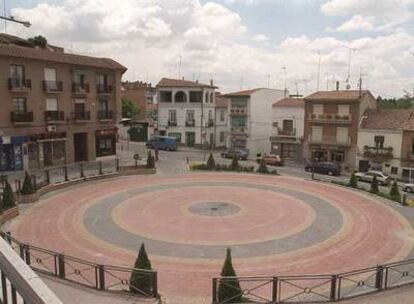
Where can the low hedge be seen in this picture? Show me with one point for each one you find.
(227, 168)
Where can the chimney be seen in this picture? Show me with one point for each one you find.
(337, 85)
(211, 83)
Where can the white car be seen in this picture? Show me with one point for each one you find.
(382, 179)
(408, 187)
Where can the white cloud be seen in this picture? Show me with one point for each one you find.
(261, 38)
(357, 22)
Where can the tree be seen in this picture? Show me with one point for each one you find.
(229, 290)
(211, 163)
(38, 41)
(129, 109)
(8, 197)
(353, 182)
(150, 161)
(404, 102)
(395, 191)
(141, 282)
(234, 164)
(374, 185)
(263, 167)
(27, 185)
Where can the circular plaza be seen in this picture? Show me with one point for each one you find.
(275, 225)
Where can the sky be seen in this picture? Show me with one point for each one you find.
(240, 44)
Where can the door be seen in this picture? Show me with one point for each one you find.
(363, 166)
(50, 79)
(190, 139)
(80, 142)
(48, 154)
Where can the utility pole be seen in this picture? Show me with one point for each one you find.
(285, 75)
(319, 70)
(179, 67)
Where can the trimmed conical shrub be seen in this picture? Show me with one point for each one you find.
(141, 282)
(395, 192)
(27, 185)
(211, 163)
(8, 197)
(234, 164)
(374, 185)
(263, 167)
(353, 182)
(150, 161)
(229, 289)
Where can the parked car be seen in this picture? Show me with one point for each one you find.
(273, 160)
(408, 187)
(324, 168)
(163, 143)
(240, 154)
(382, 178)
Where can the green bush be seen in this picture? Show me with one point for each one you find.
(211, 163)
(353, 182)
(8, 200)
(229, 290)
(150, 161)
(395, 192)
(234, 164)
(374, 185)
(27, 188)
(140, 282)
(263, 167)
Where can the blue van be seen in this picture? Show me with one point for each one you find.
(163, 143)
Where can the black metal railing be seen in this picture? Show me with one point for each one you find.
(172, 123)
(52, 86)
(315, 288)
(286, 132)
(81, 115)
(86, 273)
(80, 88)
(17, 117)
(190, 123)
(103, 115)
(380, 152)
(54, 115)
(19, 84)
(103, 89)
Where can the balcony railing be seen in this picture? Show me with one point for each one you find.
(52, 86)
(330, 140)
(21, 117)
(54, 115)
(333, 118)
(378, 152)
(210, 123)
(19, 84)
(103, 89)
(286, 132)
(105, 115)
(239, 130)
(81, 115)
(190, 123)
(80, 88)
(172, 123)
(242, 111)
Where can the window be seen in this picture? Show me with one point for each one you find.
(103, 105)
(343, 110)
(288, 125)
(19, 104)
(50, 74)
(79, 77)
(51, 104)
(207, 97)
(103, 79)
(222, 136)
(275, 124)
(342, 135)
(394, 170)
(190, 115)
(180, 97)
(211, 97)
(317, 109)
(79, 105)
(165, 96)
(317, 133)
(172, 115)
(196, 97)
(222, 115)
(17, 72)
(379, 141)
(210, 115)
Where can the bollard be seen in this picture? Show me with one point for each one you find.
(100, 168)
(117, 164)
(47, 176)
(82, 173)
(65, 169)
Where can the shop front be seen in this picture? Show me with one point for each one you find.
(328, 153)
(47, 150)
(11, 153)
(105, 142)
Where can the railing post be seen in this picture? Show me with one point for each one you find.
(13, 295)
(82, 173)
(274, 290)
(379, 277)
(333, 287)
(117, 164)
(47, 172)
(4, 288)
(154, 284)
(101, 275)
(61, 266)
(8, 237)
(65, 172)
(34, 181)
(214, 291)
(27, 254)
(100, 168)
(21, 251)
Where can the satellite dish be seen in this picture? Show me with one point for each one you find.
(348, 86)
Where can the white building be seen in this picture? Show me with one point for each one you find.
(288, 128)
(251, 119)
(186, 111)
(221, 121)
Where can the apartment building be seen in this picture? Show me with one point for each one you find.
(251, 119)
(143, 96)
(385, 142)
(221, 121)
(186, 111)
(288, 127)
(332, 119)
(57, 108)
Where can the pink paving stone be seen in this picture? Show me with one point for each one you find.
(373, 233)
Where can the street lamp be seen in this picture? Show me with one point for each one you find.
(11, 19)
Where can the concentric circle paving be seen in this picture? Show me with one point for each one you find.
(274, 225)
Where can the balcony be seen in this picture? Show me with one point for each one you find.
(52, 86)
(105, 115)
(190, 123)
(238, 111)
(330, 141)
(330, 118)
(172, 123)
(378, 153)
(21, 117)
(286, 132)
(20, 85)
(210, 123)
(103, 89)
(81, 115)
(80, 88)
(239, 130)
(54, 116)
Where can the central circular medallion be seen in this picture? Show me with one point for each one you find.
(214, 209)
